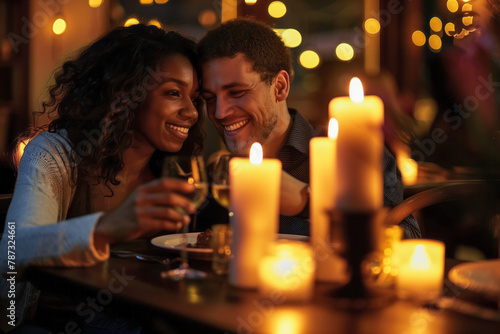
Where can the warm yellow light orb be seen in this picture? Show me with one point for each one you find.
(309, 59)
(372, 26)
(250, 2)
(207, 18)
(131, 21)
(452, 5)
(418, 38)
(467, 7)
(449, 28)
(277, 9)
(146, 2)
(161, 2)
(155, 23)
(435, 43)
(467, 20)
(59, 26)
(436, 24)
(344, 51)
(95, 3)
(291, 37)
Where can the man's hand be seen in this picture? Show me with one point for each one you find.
(294, 195)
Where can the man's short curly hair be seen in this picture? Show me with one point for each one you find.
(257, 41)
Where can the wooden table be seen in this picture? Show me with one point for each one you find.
(213, 306)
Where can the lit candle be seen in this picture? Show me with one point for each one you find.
(420, 269)
(254, 196)
(287, 272)
(360, 149)
(323, 183)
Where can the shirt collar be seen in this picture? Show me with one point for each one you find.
(300, 133)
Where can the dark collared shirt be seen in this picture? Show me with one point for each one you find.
(294, 156)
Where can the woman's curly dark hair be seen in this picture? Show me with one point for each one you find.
(97, 96)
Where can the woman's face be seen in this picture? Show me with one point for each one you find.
(169, 110)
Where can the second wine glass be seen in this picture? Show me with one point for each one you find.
(191, 169)
(220, 182)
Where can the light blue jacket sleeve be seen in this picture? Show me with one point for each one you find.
(38, 210)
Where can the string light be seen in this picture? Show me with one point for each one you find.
(131, 21)
(291, 37)
(435, 43)
(309, 59)
(59, 26)
(344, 51)
(372, 26)
(436, 24)
(277, 9)
(418, 38)
(95, 3)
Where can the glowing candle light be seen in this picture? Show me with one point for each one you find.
(323, 183)
(360, 149)
(288, 270)
(254, 197)
(420, 269)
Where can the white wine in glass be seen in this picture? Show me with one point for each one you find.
(220, 182)
(221, 194)
(191, 169)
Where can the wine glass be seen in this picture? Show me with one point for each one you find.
(191, 169)
(220, 182)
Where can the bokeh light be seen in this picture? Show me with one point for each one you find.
(467, 20)
(291, 37)
(418, 38)
(207, 18)
(277, 9)
(131, 21)
(155, 23)
(435, 42)
(449, 28)
(59, 26)
(146, 2)
(309, 59)
(95, 3)
(344, 51)
(452, 5)
(372, 26)
(436, 24)
(161, 2)
(250, 2)
(467, 7)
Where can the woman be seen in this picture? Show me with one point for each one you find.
(89, 181)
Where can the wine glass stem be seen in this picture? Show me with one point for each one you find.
(184, 254)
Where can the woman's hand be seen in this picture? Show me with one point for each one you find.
(152, 207)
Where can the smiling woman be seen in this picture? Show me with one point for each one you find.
(87, 180)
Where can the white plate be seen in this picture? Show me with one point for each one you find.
(174, 242)
(482, 277)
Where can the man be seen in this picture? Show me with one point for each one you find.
(246, 76)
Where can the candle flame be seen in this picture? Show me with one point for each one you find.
(256, 154)
(356, 92)
(420, 260)
(333, 128)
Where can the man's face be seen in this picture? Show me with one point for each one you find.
(243, 108)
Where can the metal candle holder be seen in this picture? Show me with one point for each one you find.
(354, 236)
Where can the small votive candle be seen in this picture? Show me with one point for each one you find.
(420, 269)
(287, 271)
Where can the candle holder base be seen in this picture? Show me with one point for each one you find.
(354, 236)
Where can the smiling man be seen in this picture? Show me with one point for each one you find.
(246, 76)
